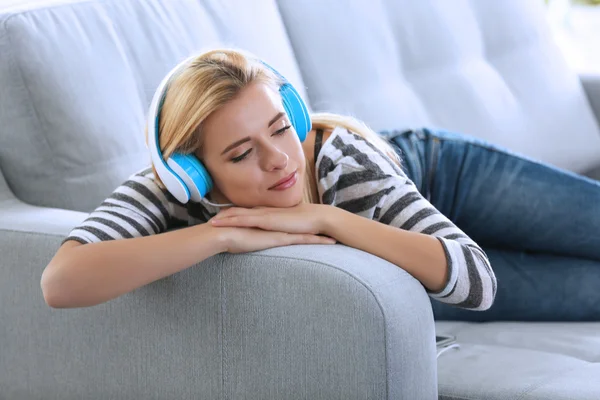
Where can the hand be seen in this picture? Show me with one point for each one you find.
(303, 218)
(243, 240)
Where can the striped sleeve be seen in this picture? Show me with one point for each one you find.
(358, 177)
(138, 207)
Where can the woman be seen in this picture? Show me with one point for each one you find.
(261, 177)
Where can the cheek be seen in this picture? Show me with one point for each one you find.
(294, 148)
(235, 178)
(299, 157)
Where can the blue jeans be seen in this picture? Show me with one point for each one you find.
(538, 224)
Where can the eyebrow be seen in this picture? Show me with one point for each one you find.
(275, 118)
(247, 138)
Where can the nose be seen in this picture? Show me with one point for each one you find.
(273, 158)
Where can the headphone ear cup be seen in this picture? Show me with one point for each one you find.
(193, 173)
(296, 110)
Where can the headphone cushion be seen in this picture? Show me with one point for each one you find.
(196, 174)
(296, 110)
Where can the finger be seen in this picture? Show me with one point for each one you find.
(311, 239)
(226, 213)
(225, 221)
(219, 215)
(323, 241)
(246, 221)
(237, 211)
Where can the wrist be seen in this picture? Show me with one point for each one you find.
(329, 220)
(217, 237)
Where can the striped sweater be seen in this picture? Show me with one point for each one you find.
(352, 174)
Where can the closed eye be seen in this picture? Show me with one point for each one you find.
(241, 157)
(278, 132)
(282, 130)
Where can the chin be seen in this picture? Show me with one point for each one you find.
(288, 198)
(290, 201)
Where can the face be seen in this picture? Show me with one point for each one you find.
(249, 146)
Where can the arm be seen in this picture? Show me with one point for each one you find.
(129, 241)
(420, 255)
(86, 275)
(401, 226)
(92, 268)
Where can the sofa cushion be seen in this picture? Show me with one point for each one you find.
(486, 68)
(77, 79)
(518, 360)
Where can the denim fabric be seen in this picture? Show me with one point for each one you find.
(537, 223)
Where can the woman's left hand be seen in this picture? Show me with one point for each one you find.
(303, 218)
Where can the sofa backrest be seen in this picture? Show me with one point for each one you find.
(76, 78)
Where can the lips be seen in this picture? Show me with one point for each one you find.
(287, 178)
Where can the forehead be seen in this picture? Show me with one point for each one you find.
(247, 114)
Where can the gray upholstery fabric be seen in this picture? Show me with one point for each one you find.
(591, 85)
(17, 216)
(528, 361)
(6, 193)
(313, 322)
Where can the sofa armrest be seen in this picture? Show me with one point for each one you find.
(591, 85)
(18, 216)
(304, 321)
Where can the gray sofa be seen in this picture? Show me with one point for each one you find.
(300, 322)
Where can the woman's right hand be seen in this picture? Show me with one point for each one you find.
(243, 240)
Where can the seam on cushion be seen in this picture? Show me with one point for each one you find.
(527, 391)
(457, 397)
(35, 7)
(32, 233)
(385, 336)
(223, 369)
(539, 384)
(126, 53)
(508, 346)
(294, 53)
(487, 57)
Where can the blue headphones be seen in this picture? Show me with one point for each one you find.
(183, 174)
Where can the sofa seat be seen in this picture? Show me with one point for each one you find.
(519, 360)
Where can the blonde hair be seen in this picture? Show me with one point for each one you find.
(214, 78)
